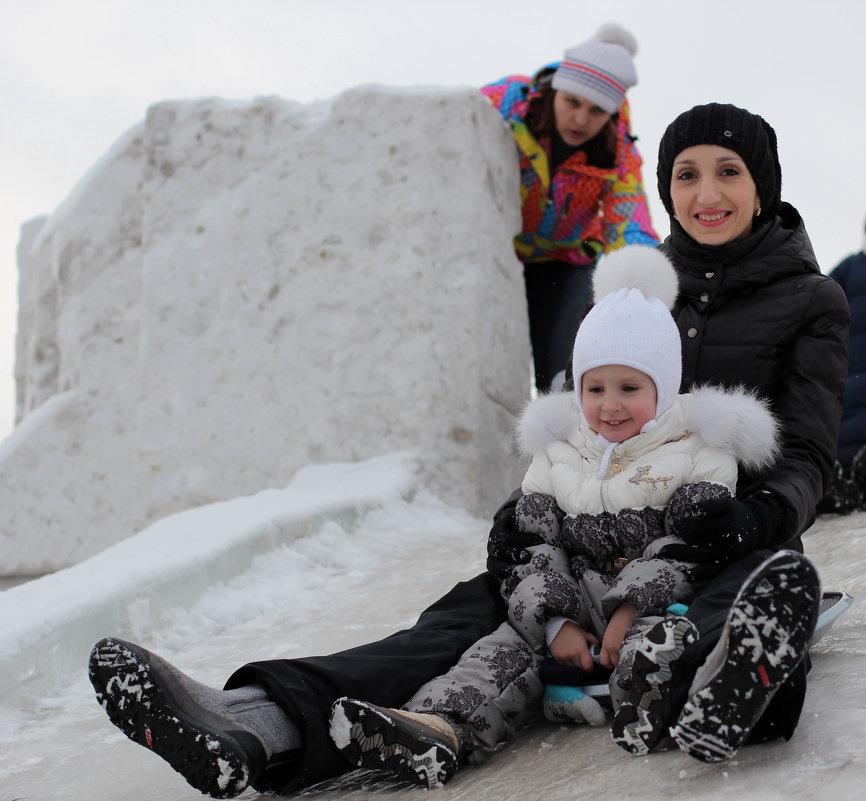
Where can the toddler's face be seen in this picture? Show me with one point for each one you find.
(617, 400)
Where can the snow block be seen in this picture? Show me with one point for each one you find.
(241, 288)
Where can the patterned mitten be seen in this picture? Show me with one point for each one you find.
(568, 703)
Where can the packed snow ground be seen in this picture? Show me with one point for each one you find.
(362, 568)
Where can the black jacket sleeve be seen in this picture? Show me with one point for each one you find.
(809, 409)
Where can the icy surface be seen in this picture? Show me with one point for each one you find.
(240, 288)
(375, 572)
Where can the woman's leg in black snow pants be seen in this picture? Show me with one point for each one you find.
(387, 672)
(708, 611)
(557, 295)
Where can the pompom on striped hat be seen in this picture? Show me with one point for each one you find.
(600, 69)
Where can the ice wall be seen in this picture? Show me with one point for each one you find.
(238, 289)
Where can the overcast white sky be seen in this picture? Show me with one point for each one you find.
(75, 74)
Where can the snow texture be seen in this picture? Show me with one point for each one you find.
(373, 570)
(340, 728)
(241, 288)
(172, 563)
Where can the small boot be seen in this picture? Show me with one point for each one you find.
(642, 720)
(417, 747)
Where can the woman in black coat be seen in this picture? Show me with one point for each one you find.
(754, 310)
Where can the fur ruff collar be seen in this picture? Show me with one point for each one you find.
(733, 420)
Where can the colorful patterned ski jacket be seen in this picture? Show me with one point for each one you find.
(579, 211)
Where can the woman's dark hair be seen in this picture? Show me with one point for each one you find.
(541, 119)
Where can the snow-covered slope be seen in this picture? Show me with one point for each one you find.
(139, 584)
(373, 571)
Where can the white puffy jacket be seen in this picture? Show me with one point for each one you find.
(579, 494)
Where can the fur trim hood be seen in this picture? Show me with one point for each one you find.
(733, 420)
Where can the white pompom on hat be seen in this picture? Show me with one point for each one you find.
(635, 288)
(600, 69)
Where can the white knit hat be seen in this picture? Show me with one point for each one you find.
(600, 69)
(630, 324)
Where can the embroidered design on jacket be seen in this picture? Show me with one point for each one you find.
(643, 478)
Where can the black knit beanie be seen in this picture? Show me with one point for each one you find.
(747, 134)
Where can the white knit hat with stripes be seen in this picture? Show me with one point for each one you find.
(600, 69)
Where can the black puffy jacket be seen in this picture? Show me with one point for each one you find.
(758, 313)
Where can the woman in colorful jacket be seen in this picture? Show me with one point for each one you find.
(581, 188)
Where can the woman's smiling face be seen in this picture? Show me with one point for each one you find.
(714, 197)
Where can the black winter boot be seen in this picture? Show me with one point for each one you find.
(765, 638)
(156, 706)
(843, 496)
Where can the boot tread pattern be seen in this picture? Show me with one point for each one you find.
(138, 706)
(765, 638)
(370, 737)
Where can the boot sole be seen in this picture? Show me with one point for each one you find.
(370, 737)
(765, 637)
(642, 720)
(138, 704)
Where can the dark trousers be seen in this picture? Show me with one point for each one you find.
(557, 294)
(387, 672)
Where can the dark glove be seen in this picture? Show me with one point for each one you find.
(724, 530)
(506, 545)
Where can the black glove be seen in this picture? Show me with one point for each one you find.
(506, 545)
(724, 530)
